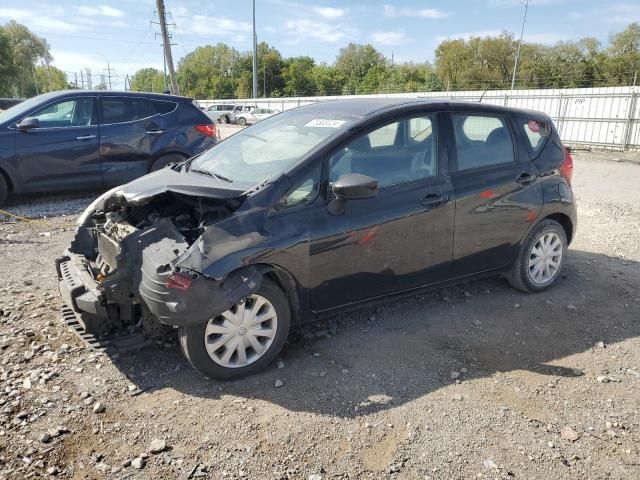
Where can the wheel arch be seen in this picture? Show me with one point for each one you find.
(564, 220)
(290, 286)
(8, 180)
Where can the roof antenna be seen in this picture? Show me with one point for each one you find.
(482, 96)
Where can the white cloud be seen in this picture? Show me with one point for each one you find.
(214, 26)
(621, 13)
(329, 12)
(304, 28)
(100, 10)
(38, 21)
(391, 11)
(389, 38)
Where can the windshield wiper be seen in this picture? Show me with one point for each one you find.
(211, 174)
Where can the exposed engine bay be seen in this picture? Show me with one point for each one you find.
(130, 251)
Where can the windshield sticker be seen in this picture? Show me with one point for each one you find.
(325, 123)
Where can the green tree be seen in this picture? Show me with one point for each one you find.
(7, 68)
(354, 62)
(49, 79)
(209, 72)
(270, 64)
(624, 55)
(452, 59)
(297, 76)
(327, 80)
(27, 51)
(148, 80)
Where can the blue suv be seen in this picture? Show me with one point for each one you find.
(95, 139)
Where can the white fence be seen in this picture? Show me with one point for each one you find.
(607, 117)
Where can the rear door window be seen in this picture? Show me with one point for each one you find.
(481, 140)
(122, 109)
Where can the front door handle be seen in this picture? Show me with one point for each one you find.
(434, 199)
(526, 178)
(155, 132)
(86, 137)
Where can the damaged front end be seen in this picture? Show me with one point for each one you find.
(122, 281)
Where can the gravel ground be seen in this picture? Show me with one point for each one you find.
(473, 381)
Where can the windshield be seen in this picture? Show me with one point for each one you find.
(17, 111)
(268, 148)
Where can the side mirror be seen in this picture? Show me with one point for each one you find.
(353, 186)
(28, 123)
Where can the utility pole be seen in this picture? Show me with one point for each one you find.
(109, 70)
(49, 75)
(515, 66)
(167, 47)
(75, 76)
(82, 78)
(255, 58)
(89, 83)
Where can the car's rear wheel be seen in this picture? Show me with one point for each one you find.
(165, 160)
(540, 259)
(4, 189)
(242, 340)
(242, 121)
(224, 119)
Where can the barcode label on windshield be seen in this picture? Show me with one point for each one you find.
(324, 123)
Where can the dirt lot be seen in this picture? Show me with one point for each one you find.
(474, 381)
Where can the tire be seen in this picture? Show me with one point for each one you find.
(224, 119)
(242, 121)
(4, 189)
(549, 240)
(165, 160)
(196, 341)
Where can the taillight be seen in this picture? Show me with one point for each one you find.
(209, 129)
(177, 281)
(566, 169)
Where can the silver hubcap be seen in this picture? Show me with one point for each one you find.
(242, 334)
(545, 258)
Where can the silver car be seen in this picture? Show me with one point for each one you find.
(254, 116)
(227, 112)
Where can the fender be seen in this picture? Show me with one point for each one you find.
(558, 200)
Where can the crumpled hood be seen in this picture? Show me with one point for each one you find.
(143, 189)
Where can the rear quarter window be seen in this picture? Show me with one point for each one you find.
(536, 133)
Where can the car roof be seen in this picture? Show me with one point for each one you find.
(363, 107)
(107, 93)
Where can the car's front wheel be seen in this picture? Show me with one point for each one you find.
(540, 259)
(242, 121)
(242, 340)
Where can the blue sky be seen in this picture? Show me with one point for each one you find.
(85, 34)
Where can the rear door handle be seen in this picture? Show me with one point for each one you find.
(86, 137)
(155, 132)
(526, 178)
(434, 199)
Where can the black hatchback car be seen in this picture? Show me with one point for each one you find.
(92, 139)
(314, 211)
